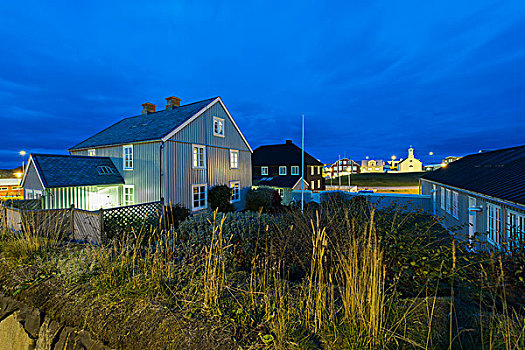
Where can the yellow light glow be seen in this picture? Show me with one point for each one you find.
(431, 153)
(443, 165)
(19, 175)
(394, 157)
(22, 153)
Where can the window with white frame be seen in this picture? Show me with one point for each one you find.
(281, 192)
(128, 157)
(234, 159)
(198, 196)
(448, 203)
(129, 195)
(282, 170)
(455, 203)
(515, 226)
(92, 152)
(199, 156)
(218, 126)
(264, 170)
(318, 170)
(312, 170)
(319, 183)
(295, 170)
(442, 190)
(494, 223)
(236, 193)
(312, 184)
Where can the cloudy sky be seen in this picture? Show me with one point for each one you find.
(372, 77)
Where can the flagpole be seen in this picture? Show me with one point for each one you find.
(302, 167)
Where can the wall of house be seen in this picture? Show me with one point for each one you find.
(32, 180)
(180, 174)
(460, 224)
(145, 176)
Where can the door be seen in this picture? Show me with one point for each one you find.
(471, 217)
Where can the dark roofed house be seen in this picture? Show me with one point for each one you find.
(279, 167)
(173, 155)
(485, 192)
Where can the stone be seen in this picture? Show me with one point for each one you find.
(31, 320)
(48, 334)
(13, 335)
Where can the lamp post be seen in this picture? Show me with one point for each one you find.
(432, 154)
(23, 155)
(393, 159)
(302, 167)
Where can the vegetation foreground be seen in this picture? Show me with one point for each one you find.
(341, 276)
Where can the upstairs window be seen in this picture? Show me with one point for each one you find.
(199, 153)
(218, 127)
(312, 170)
(128, 157)
(318, 170)
(92, 152)
(295, 170)
(282, 170)
(234, 159)
(199, 197)
(236, 193)
(264, 170)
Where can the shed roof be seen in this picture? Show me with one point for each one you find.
(282, 154)
(497, 174)
(144, 127)
(68, 171)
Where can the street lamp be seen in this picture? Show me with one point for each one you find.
(23, 155)
(432, 154)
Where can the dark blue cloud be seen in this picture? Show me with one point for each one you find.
(371, 77)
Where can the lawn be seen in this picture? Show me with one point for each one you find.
(379, 180)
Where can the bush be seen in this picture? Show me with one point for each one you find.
(262, 197)
(219, 198)
(175, 214)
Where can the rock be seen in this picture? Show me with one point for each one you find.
(31, 320)
(48, 335)
(13, 335)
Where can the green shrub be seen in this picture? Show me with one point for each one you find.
(175, 214)
(219, 198)
(262, 197)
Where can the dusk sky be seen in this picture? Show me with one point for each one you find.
(372, 77)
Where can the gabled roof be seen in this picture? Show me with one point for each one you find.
(282, 154)
(144, 127)
(67, 171)
(498, 174)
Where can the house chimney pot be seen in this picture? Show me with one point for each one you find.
(148, 108)
(288, 142)
(172, 102)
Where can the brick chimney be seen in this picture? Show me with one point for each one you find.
(148, 108)
(289, 142)
(172, 102)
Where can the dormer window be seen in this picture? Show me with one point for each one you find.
(264, 170)
(282, 170)
(295, 170)
(218, 127)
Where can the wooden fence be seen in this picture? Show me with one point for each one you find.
(82, 225)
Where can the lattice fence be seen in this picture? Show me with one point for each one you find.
(131, 219)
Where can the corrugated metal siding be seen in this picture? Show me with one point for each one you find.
(32, 181)
(180, 175)
(201, 130)
(145, 175)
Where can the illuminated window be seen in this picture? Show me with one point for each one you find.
(264, 170)
(295, 170)
(236, 193)
(312, 184)
(282, 170)
(129, 198)
(234, 159)
(312, 170)
(218, 127)
(319, 183)
(128, 157)
(92, 152)
(199, 196)
(199, 153)
(455, 209)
